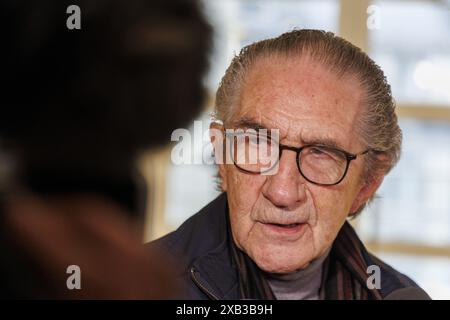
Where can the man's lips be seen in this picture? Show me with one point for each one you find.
(284, 228)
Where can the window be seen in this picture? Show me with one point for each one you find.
(414, 200)
(412, 45)
(409, 224)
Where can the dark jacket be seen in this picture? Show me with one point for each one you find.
(205, 267)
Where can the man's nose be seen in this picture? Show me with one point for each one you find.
(285, 188)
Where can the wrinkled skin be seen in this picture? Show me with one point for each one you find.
(307, 103)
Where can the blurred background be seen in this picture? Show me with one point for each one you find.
(408, 224)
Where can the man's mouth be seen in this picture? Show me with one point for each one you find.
(290, 225)
(284, 228)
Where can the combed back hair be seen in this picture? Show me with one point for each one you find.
(377, 123)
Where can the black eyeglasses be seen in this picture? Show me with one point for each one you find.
(318, 164)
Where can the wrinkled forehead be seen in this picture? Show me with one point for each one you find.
(303, 99)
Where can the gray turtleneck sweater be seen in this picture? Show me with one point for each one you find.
(303, 284)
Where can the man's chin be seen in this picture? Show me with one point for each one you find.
(273, 263)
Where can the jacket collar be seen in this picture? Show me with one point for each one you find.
(214, 271)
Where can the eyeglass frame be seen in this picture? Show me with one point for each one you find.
(348, 156)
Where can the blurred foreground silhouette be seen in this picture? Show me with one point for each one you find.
(77, 108)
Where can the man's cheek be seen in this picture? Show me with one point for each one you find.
(245, 188)
(331, 204)
(330, 220)
(243, 231)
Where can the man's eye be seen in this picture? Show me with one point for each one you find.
(321, 153)
(324, 154)
(317, 151)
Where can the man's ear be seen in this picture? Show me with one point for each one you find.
(369, 186)
(366, 192)
(216, 134)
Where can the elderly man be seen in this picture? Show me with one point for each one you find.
(279, 231)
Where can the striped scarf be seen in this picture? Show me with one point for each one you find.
(344, 276)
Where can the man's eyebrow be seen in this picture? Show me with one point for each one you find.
(249, 124)
(329, 142)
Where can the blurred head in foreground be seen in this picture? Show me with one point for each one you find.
(78, 106)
